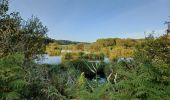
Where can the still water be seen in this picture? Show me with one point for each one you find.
(46, 59)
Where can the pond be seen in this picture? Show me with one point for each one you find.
(46, 59)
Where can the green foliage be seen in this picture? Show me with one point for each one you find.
(148, 76)
(145, 77)
(10, 32)
(11, 77)
(17, 35)
(3, 7)
(142, 82)
(102, 92)
(64, 77)
(52, 93)
(33, 36)
(141, 78)
(156, 49)
(81, 81)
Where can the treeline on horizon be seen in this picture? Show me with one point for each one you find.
(62, 42)
(105, 41)
(145, 77)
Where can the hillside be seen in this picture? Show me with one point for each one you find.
(62, 42)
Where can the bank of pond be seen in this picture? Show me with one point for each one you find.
(94, 69)
(91, 68)
(46, 59)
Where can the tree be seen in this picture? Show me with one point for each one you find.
(9, 25)
(10, 34)
(3, 7)
(17, 35)
(33, 38)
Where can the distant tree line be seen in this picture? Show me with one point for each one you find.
(62, 42)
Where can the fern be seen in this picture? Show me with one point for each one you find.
(146, 84)
(11, 77)
(17, 84)
(12, 96)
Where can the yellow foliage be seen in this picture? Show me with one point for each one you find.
(119, 52)
(53, 49)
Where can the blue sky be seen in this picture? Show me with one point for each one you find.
(88, 20)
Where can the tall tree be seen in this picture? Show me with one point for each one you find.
(10, 26)
(33, 38)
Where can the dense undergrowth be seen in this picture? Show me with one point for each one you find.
(145, 77)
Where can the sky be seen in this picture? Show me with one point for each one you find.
(88, 20)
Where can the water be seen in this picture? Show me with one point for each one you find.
(106, 60)
(101, 80)
(46, 59)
